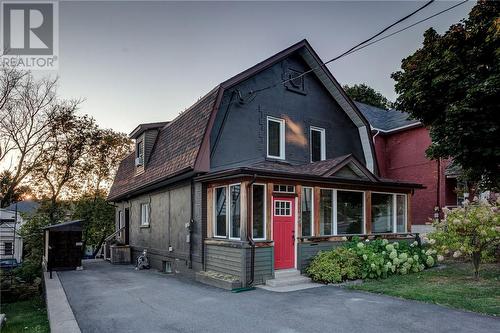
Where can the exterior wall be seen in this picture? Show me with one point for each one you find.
(401, 156)
(238, 123)
(170, 211)
(7, 235)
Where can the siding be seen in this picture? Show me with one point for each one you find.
(306, 251)
(224, 259)
(264, 264)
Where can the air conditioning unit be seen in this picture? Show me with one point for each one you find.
(138, 161)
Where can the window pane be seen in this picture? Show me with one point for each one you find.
(144, 213)
(325, 212)
(220, 211)
(8, 248)
(258, 211)
(382, 212)
(401, 213)
(306, 207)
(273, 138)
(315, 146)
(349, 212)
(235, 211)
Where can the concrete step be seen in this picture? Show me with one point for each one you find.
(288, 281)
(283, 273)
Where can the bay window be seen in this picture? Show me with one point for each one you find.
(220, 212)
(259, 211)
(326, 212)
(350, 212)
(227, 216)
(388, 213)
(307, 211)
(234, 211)
(401, 213)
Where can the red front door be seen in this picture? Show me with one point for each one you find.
(284, 232)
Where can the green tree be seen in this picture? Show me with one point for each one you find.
(452, 85)
(366, 94)
(16, 194)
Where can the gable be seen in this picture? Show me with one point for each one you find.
(348, 172)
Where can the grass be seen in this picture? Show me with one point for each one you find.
(26, 316)
(452, 285)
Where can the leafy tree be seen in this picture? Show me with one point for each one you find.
(99, 218)
(366, 94)
(452, 85)
(19, 192)
(469, 231)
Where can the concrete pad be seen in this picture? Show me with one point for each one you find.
(61, 317)
(295, 287)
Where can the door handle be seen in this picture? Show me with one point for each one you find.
(293, 236)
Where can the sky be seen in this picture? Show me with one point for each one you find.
(136, 62)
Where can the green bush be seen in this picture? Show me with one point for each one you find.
(28, 271)
(370, 260)
(335, 266)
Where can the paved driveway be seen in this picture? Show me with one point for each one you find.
(107, 298)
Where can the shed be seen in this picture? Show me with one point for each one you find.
(63, 246)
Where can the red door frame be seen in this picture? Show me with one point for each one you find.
(284, 234)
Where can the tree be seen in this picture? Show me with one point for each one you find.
(27, 106)
(452, 85)
(366, 94)
(468, 231)
(8, 197)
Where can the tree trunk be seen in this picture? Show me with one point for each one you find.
(476, 260)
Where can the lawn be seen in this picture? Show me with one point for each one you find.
(450, 285)
(26, 316)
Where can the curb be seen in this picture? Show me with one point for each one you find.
(61, 317)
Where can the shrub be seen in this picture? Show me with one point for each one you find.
(470, 231)
(374, 259)
(335, 266)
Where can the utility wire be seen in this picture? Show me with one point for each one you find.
(370, 41)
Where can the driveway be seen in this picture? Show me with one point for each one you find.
(108, 298)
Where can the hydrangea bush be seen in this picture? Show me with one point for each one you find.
(375, 259)
(468, 232)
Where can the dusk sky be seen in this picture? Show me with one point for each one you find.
(137, 62)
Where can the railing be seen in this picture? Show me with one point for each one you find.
(105, 251)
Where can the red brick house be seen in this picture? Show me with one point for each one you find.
(400, 145)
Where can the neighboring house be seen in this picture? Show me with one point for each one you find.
(257, 176)
(11, 243)
(400, 145)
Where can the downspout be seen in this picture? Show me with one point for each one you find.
(249, 231)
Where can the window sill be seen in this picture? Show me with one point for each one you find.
(144, 226)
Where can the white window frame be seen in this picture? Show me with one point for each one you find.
(283, 201)
(120, 219)
(286, 188)
(312, 211)
(363, 228)
(229, 227)
(394, 212)
(323, 142)
(281, 156)
(265, 212)
(146, 221)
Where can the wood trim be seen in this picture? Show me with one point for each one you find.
(368, 212)
(316, 206)
(243, 210)
(409, 220)
(269, 205)
(210, 212)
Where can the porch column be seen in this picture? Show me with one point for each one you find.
(243, 210)
(368, 212)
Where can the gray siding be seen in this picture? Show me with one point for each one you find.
(246, 122)
(224, 259)
(306, 251)
(264, 264)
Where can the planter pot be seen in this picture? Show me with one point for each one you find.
(120, 254)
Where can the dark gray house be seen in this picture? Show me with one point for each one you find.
(258, 175)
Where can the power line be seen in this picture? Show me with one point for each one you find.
(360, 46)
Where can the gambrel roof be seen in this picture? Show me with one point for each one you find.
(183, 145)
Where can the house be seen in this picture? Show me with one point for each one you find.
(400, 145)
(11, 220)
(258, 176)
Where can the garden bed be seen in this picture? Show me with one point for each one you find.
(452, 285)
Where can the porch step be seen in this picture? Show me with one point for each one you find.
(287, 278)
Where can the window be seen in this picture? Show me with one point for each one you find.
(259, 211)
(282, 208)
(7, 250)
(382, 212)
(227, 205)
(326, 212)
(234, 211)
(275, 138)
(139, 151)
(284, 188)
(350, 215)
(120, 222)
(145, 214)
(317, 144)
(307, 211)
(220, 212)
(400, 213)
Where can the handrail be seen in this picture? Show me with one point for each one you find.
(107, 239)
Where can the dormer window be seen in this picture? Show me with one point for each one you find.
(139, 153)
(317, 144)
(275, 138)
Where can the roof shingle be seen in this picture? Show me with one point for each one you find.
(385, 120)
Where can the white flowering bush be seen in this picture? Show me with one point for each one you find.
(376, 259)
(468, 232)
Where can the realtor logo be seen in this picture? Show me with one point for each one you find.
(29, 33)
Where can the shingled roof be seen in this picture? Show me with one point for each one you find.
(175, 150)
(386, 120)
